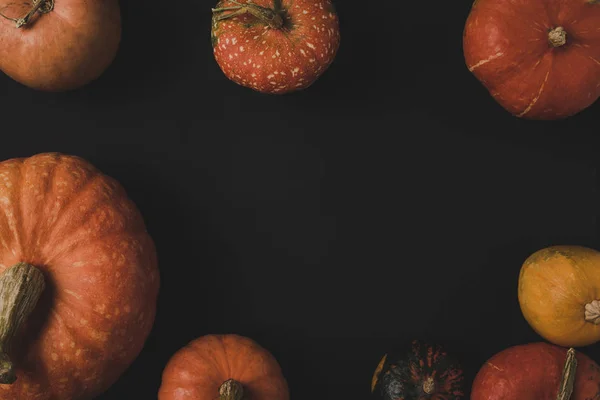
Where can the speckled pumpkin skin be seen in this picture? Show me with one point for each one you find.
(278, 61)
(78, 227)
(401, 374)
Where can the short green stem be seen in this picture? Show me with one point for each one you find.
(567, 381)
(20, 289)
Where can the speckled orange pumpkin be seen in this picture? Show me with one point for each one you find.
(275, 46)
(223, 367)
(70, 234)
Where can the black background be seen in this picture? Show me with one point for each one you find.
(392, 200)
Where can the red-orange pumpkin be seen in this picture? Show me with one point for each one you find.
(67, 227)
(223, 367)
(540, 59)
(64, 45)
(275, 46)
(537, 371)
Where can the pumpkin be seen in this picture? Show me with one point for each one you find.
(537, 371)
(58, 45)
(421, 371)
(79, 279)
(275, 46)
(540, 59)
(559, 294)
(224, 367)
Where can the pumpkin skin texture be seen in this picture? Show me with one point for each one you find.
(63, 49)
(533, 372)
(559, 294)
(421, 372)
(276, 58)
(77, 226)
(518, 50)
(199, 371)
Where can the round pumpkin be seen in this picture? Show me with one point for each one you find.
(275, 46)
(78, 283)
(422, 371)
(58, 45)
(559, 294)
(223, 367)
(540, 59)
(537, 371)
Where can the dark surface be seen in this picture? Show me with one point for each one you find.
(392, 200)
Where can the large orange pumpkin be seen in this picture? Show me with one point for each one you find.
(223, 367)
(64, 44)
(559, 294)
(70, 233)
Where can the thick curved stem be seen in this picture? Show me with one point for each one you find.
(231, 390)
(557, 37)
(567, 381)
(41, 6)
(20, 289)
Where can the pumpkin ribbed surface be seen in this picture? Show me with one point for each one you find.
(61, 215)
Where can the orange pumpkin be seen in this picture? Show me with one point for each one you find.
(559, 294)
(70, 234)
(58, 45)
(223, 367)
(537, 371)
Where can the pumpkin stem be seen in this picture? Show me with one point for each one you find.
(231, 390)
(567, 381)
(429, 386)
(41, 6)
(20, 288)
(592, 312)
(557, 37)
(271, 16)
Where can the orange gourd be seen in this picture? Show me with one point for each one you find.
(559, 294)
(223, 367)
(78, 279)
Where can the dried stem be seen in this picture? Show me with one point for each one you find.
(41, 6)
(567, 381)
(429, 386)
(557, 37)
(20, 289)
(592, 312)
(272, 17)
(231, 390)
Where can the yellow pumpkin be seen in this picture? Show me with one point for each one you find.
(559, 294)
